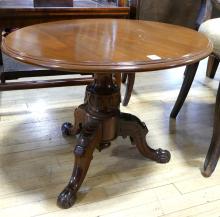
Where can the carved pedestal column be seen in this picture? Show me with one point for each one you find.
(99, 121)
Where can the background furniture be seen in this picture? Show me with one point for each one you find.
(16, 14)
(189, 76)
(99, 120)
(189, 13)
(56, 3)
(211, 29)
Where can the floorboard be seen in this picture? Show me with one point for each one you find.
(36, 160)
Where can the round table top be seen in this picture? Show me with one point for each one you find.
(106, 45)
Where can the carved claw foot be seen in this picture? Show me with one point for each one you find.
(67, 129)
(67, 198)
(162, 156)
(130, 125)
(88, 139)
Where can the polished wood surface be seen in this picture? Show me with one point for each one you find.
(106, 45)
(19, 13)
(187, 13)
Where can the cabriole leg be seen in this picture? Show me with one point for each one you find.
(89, 137)
(187, 82)
(79, 115)
(214, 149)
(130, 125)
(212, 66)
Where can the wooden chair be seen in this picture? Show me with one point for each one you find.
(191, 70)
(174, 12)
(211, 29)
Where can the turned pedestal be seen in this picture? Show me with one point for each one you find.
(99, 121)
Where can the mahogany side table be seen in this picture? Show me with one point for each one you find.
(104, 47)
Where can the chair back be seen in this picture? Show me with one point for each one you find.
(179, 12)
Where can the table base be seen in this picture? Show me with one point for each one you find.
(99, 121)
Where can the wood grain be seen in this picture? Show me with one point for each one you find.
(106, 45)
(18, 13)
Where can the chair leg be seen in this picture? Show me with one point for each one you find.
(124, 78)
(214, 148)
(129, 88)
(212, 66)
(2, 77)
(187, 82)
(1, 60)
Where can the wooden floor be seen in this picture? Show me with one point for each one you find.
(36, 161)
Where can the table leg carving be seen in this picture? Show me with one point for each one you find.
(89, 137)
(79, 115)
(130, 125)
(99, 121)
(214, 149)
